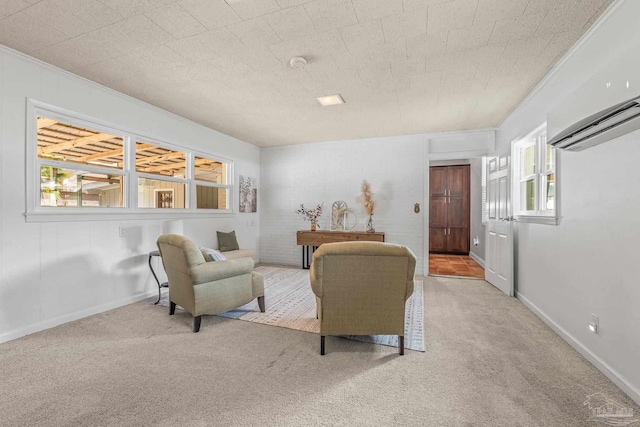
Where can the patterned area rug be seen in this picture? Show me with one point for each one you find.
(290, 303)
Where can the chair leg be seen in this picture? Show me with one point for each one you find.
(196, 323)
(401, 344)
(172, 308)
(261, 303)
(321, 345)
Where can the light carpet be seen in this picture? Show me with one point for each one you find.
(290, 303)
(488, 362)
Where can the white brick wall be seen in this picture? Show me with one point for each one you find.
(326, 172)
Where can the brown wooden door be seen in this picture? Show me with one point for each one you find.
(458, 240)
(437, 240)
(449, 209)
(438, 212)
(458, 180)
(457, 212)
(438, 178)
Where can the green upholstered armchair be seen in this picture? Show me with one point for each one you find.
(202, 287)
(361, 288)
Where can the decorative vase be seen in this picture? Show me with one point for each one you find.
(370, 228)
(313, 226)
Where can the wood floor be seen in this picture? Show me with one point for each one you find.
(455, 265)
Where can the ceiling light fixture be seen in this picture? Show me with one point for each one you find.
(298, 62)
(326, 101)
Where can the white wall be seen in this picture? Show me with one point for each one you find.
(327, 172)
(397, 168)
(52, 272)
(589, 262)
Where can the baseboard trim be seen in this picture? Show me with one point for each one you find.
(601, 365)
(477, 259)
(47, 324)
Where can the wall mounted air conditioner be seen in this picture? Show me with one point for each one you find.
(607, 124)
(604, 107)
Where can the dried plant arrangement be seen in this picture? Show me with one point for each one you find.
(311, 215)
(366, 198)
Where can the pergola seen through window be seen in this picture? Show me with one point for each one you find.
(82, 166)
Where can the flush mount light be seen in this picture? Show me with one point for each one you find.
(297, 62)
(326, 101)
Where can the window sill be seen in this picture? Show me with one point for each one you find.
(69, 216)
(545, 220)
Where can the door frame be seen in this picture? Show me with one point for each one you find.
(457, 200)
(426, 195)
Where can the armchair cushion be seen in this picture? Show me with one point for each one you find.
(209, 272)
(227, 241)
(212, 255)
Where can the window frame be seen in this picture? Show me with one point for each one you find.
(34, 212)
(540, 214)
(197, 182)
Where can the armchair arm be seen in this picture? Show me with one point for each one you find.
(211, 271)
(315, 275)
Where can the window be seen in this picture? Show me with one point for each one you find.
(77, 165)
(212, 185)
(534, 183)
(162, 182)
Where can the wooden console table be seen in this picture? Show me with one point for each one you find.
(313, 239)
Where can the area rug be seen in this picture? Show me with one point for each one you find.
(291, 304)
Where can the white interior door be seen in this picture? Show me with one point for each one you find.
(499, 233)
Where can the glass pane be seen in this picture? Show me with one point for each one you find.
(550, 191)
(211, 197)
(210, 170)
(68, 187)
(155, 193)
(528, 195)
(528, 161)
(58, 140)
(156, 160)
(550, 158)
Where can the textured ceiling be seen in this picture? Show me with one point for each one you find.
(402, 66)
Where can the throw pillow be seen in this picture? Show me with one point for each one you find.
(212, 255)
(227, 241)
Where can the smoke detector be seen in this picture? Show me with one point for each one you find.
(297, 62)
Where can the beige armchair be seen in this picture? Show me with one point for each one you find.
(361, 288)
(207, 287)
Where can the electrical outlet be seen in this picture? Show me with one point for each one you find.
(594, 325)
(122, 232)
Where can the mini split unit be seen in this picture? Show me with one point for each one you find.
(607, 124)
